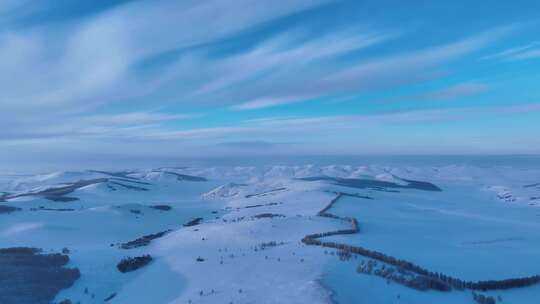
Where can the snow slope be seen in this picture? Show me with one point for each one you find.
(248, 248)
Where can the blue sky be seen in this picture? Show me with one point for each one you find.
(254, 77)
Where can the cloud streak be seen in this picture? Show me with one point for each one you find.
(528, 51)
(457, 91)
(277, 126)
(92, 62)
(185, 74)
(290, 82)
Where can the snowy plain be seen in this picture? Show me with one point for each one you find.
(483, 225)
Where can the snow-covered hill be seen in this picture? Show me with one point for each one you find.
(244, 226)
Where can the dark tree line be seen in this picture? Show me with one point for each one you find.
(8, 209)
(144, 240)
(30, 276)
(267, 215)
(266, 192)
(402, 277)
(433, 278)
(107, 299)
(162, 207)
(128, 264)
(264, 245)
(194, 222)
(481, 299)
(332, 202)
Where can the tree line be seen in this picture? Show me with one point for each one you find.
(313, 239)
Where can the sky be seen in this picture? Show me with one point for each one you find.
(89, 81)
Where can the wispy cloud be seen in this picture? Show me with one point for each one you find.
(457, 91)
(136, 118)
(374, 73)
(91, 62)
(282, 71)
(270, 102)
(53, 78)
(121, 125)
(531, 50)
(285, 54)
(300, 126)
(409, 67)
(532, 53)
(128, 73)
